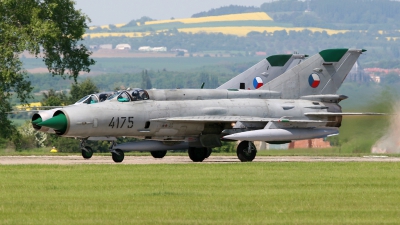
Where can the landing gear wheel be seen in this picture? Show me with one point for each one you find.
(197, 154)
(87, 152)
(158, 154)
(118, 155)
(246, 151)
(209, 151)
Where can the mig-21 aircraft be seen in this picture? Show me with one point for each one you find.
(253, 78)
(299, 104)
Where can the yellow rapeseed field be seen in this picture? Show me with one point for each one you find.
(230, 17)
(238, 31)
(28, 108)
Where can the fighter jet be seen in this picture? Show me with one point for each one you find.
(253, 78)
(299, 104)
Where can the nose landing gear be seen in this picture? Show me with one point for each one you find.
(87, 152)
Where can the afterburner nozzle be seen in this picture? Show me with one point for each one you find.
(58, 123)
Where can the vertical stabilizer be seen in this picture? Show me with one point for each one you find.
(320, 74)
(263, 72)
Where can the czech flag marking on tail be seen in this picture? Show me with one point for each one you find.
(258, 82)
(314, 80)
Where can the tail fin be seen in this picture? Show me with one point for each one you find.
(263, 72)
(320, 74)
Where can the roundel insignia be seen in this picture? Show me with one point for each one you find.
(257, 82)
(314, 80)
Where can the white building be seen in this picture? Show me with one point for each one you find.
(150, 49)
(123, 47)
(145, 48)
(105, 46)
(159, 49)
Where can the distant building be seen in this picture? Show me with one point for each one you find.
(375, 78)
(357, 74)
(159, 49)
(261, 53)
(179, 50)
(123, 47)
(105, 46)
(94, 47)
(150, 49)
(145, 49)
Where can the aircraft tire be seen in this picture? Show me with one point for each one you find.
(197, 154)
(87, 152)
(242, 151)
(158, 154)
(209, 151)
(118, 155)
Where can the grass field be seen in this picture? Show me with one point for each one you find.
(238, 193)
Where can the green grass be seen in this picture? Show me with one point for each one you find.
(237, 193)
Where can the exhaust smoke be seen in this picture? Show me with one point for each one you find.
(390, 142)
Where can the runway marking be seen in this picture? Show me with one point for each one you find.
(71, 160)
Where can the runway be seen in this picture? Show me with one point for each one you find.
(73, 160)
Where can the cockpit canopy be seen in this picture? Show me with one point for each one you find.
(94, 98)
(136, 94)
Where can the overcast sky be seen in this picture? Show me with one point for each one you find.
(103, 12)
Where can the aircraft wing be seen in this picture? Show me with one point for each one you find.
(274, 123)
(344, 114)
(201, 119)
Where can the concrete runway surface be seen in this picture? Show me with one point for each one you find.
(70, 160)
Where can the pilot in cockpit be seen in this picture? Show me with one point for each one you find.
(139, 94)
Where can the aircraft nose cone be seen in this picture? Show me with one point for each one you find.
(58, 122)
(38, 120)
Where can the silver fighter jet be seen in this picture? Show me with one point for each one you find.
(299, 104)
(253, 78)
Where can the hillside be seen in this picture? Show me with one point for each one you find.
(231, 24)
(285, 26)
(288, 15)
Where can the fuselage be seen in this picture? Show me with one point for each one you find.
(166, 119)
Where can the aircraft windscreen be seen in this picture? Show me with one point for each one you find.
(113, 96)
(82, 99)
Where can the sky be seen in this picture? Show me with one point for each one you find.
(103, 12)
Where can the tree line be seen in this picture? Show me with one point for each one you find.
(322, 12)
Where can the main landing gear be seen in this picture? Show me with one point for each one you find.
(246, 151)
(158, 154)
(117, 155)
(199, 154)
